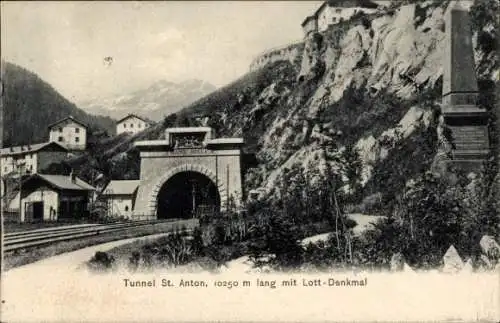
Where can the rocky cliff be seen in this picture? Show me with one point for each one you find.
(373, 82)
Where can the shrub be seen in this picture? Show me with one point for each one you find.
(430, 215)
(101, 261)
(280, 240)
(175, 251)
(134, 260)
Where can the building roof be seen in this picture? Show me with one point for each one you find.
(63, 182)
(26, 149)
(308, 18)
(121, 187)
(188, 129)
(342, 4)
(67, 118)
(131, 115)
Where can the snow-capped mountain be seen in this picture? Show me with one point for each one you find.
(156, 101)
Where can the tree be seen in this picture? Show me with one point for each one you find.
(352, 168)
(278, 245)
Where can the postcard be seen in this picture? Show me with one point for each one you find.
(249, 161)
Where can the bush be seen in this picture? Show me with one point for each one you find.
(171, 251)
(280, 240)
(175, 251)
(430, 215)
(100, 262)
(134, 260)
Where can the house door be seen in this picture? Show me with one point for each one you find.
(28, 212)
(37, 211)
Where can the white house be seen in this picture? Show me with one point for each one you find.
(53, 198)
(30, 158)
(70, 133)
(332, 12)
(120, 196)
(131, 124)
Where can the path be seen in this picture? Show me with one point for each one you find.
(24, 287)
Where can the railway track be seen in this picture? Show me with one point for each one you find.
(36, 238)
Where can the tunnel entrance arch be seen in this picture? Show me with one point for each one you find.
(187, 194)
(186, 157)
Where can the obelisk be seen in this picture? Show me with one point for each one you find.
(465, 120)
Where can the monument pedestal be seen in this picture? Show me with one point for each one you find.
(469, 139)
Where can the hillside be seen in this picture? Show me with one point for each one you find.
(372, 83)
(156, 101)
(31, 104)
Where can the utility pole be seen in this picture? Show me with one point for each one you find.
(20, 164)
(227, 187)
(193, 193)
(109, 200)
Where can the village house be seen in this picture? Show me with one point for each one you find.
(332, 12)
(131, 124)
(120, 197)
(70, 133)
(30, 159)
(53, 198)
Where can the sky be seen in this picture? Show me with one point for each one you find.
(66, 43)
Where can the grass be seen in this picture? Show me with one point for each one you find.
(22, 257)
(200, 263)
(122, 253)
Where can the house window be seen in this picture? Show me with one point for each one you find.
(126, 208)
(338, 10)
(60, 139)
(77, 130)
(77, 139)
(124, 125)
(60, 129)
(131, 125)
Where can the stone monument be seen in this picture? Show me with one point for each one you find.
(466, 123)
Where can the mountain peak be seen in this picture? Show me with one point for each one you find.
(159, 99)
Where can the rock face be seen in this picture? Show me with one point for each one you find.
(452, 261)
(468, 267)
(490, 248)
(407, 268)
(370, 82)
(397, 262)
